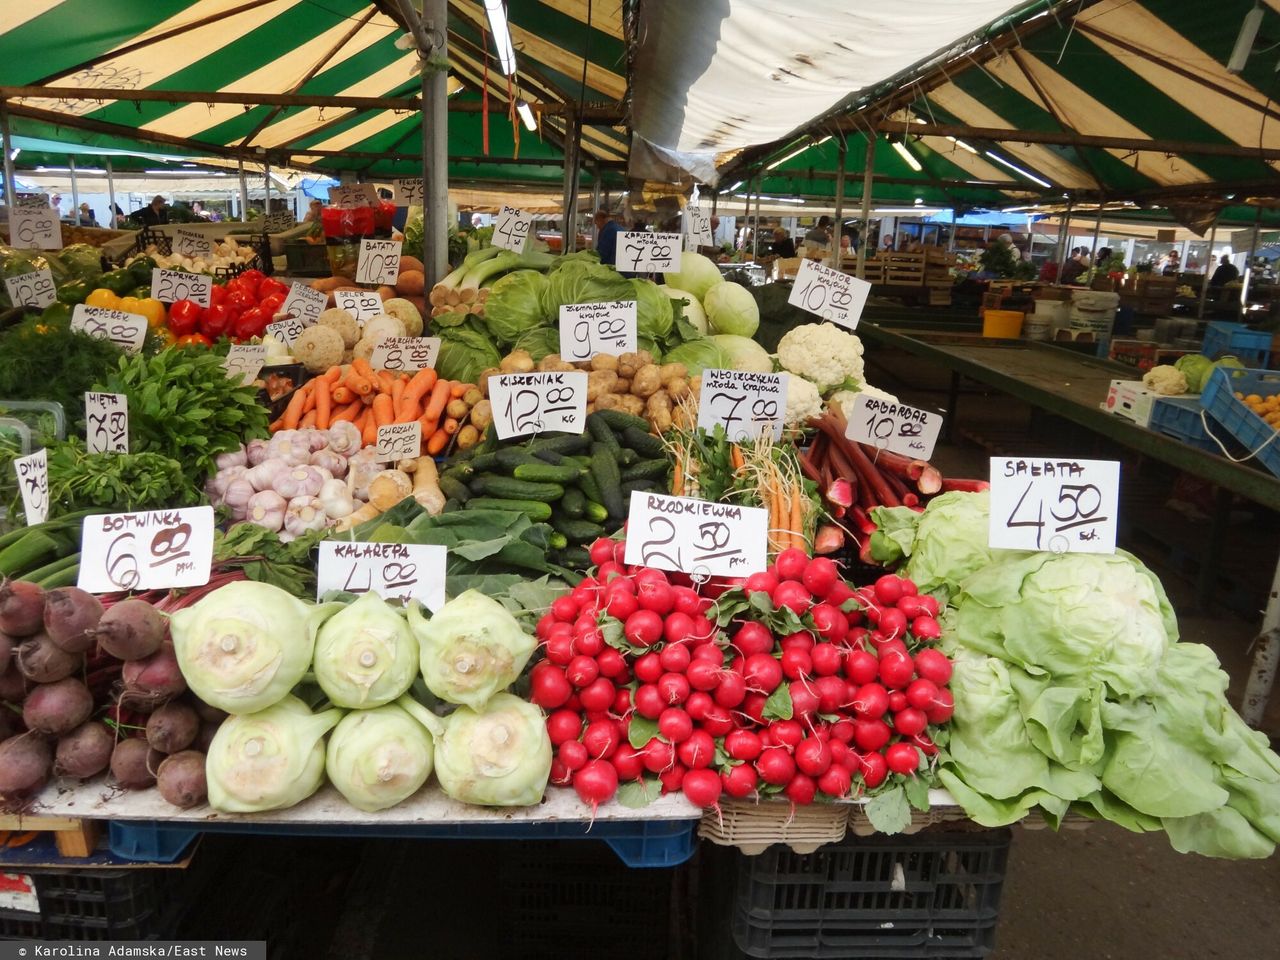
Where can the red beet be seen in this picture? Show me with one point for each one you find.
(21, 607)
(181, 779)
(13, 686)
(131, 630)
(153, 681)
(131, 766)
(24, 766)
(7, 645)
(41, 661)
(70, 617)
(84, 752)
(172, 727)
(57, 708)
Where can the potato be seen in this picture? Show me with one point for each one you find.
(608, 401)
(673, 371)
(604, 361)
(386, 293)
(410, 264)
(658, 412)
(677, 389)
(622, 386)
(600, 382)
(628, 364)
(632, 404)
(646, 382)
(517, 361)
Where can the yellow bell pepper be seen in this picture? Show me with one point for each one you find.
(103, 297)
(153, 310)
(129, 305)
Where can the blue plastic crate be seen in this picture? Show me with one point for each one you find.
(637, 843)
(1219, 400)
(1253, 347)
(1179, 417)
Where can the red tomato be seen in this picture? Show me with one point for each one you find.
(217, 318)
(193, 340)
(184, 317)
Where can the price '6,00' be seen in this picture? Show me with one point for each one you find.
(152, 550)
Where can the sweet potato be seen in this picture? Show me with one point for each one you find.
(410, 283)
(409, 264)
(386, 293)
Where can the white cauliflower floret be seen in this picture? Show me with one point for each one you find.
(822, 353)
(844, 399)
(1165, 380)
(803, 402)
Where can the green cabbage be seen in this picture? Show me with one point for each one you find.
(377, 758)
(743, 353)
(945, 544)
(498, 755)
(697, 274)
(465, 351)
(268, 760)
(470, 649)
(731, 309)
(697, 355)
(365, 655)
(1196, 367)
(515, 305)
(693, 311)
(539, 343)
(80, 261)
(244, 646)
(582, 281)
(654, 317)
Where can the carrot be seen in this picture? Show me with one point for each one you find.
(293, 412)
(736, 458)
(323, 404)
(308, 420)
(276, 425)
(421, 384)
(408, 411)
(342, 394)
(797, 519)
(439, 397)
(358, 382)
(437, 442)
(384, 381)
(361, 366)
(677, 478)
(369, 432)
(450, 426)
(349, 412)
(458, 390)
(332, 375)
(383, 410)
(397, 395)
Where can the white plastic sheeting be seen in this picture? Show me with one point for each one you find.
(715, 76)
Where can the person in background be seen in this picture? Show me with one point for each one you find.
(313, 212)
(55, 202)
(607, 231)
(820, 235)
(888, 243)
(783, 246)
(1007, 240)
(87, 219)
(117, 218)
(1075, 267)
(153, 214)
(846, 245)
(1172, 263)
(1103, 258)
(198, 209)
(1224, 273)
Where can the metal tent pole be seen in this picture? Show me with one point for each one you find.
(1248, 264)
(595, 204)
(868, 177)
(10, 183)
(1097, 229)
(755, 229)
(572, 166)
(431, 31)
(1208, 267)
(839, 231)
(75, 188)
(951, 236)
(1066, 239)
(244, 193)
(266, 178)
(111, 196)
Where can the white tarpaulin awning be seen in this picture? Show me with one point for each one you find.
(718, 75)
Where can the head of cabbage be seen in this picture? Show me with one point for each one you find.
(365, 654)
(582, 281)
(516, 305)
(732, 309)
(653, 309)
(471, 648)
(466, 350)
(697, 355)
(498, 755)
(244, 646)
(378, 758)
(743, 353)
(692, 307)
(268, 760)
(697, 274)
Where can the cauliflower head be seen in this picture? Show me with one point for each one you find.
(823, 354)
(844, 398)
(1165, 380)
(803, 402)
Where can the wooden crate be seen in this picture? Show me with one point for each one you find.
(74, 837)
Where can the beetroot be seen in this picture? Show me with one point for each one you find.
(21, 607)
(7, 644)
(205, 737)
(210, 714)
(172, 727)
(57, 708)
(84, 752)
(153, 681)
(42, 662)
(131, 629)
(70, 617)
(131, 764)
(24, 766)
(181, 779)
(13, 686)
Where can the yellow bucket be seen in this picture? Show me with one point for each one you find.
(1004, 324)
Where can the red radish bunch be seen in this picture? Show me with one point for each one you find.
(790, 681)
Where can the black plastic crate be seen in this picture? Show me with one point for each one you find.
(930, 894)
(97, 905)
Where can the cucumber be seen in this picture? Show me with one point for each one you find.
(578, 531)
(546, 473)
(562, 443)
(576, 558)
(484, 461)
(534, 509)
(643, 443)
(595, 512)
(619, 420)
(639, 486)
(646, 470)
(509, 488)
(604, 469)
(451, 506)
(511, 457)
(462, 472)
(587, 484)
(454, 488)
(627, 457)
(602, 433)
(551, 457)
(558, 541)
(574, 503)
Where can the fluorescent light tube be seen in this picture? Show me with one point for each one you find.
(906, 155)
(1018, 170)
(526, 115)
(497, 15)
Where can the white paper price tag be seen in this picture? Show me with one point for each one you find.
(33, 482)
(697, 228)
(405, 353)
(590, 328)
(644, 252)
(829, 294)
(696, 537)
(128, 330)
(399, 441)
(744, 404)
(1064, 506)
(895, 427)
(169, 286)
(394, 571)
(287, 330)
(361, 304)
(190, 243)
(409, 192)
(304, 303)
(379, 262)
(38, 201)
(511, 229)
(34, 228)
(34, 289)
(153, 550)
(525, 403)
(278, 221)
(351, 195)
(106, 422)
(244, 361)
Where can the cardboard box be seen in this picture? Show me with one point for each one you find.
(1144, 354)
(1129, 399)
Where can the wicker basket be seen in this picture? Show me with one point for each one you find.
(754, 827)
(861, 826)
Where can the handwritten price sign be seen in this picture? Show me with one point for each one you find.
(829, 294)
(173, 285)
(744, 404)
(894, 426)
(696, 537)
(590, 328)
(361, 304)
(352, 195)
(1065, 506)
(35, 228)
(128, 330)
(106, 422)
(405, 353)
(36, 201)
(394, 571)
(525, 403)
(34, 289)
(286, 330)
(649, 252)
(190, 243)
(33, 481)
(409, 192)
(153, 550)
(244, 361)
(278, 221)
(304, 303)
(399, 441)
(379, 262)
(697, 228)
(511, 229)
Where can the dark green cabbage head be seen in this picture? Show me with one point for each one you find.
(515, 305)
(654, 316)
